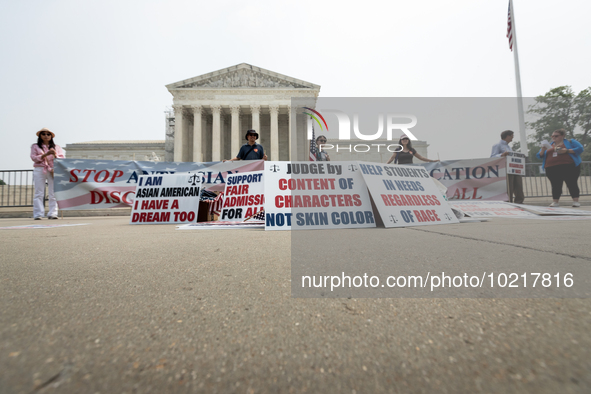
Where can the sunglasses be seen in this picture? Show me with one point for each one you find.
(47, 134)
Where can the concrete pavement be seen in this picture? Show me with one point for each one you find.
(108, 307)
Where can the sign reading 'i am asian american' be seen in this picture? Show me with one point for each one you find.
(316, 195)
(406, 195)
(166, 199)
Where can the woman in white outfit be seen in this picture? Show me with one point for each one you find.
(42, 154)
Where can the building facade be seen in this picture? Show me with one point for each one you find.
(117, 150)
(213, 111)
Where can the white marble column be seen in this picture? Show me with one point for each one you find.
(216, 137)
(235, 130)
(256, 118)
(293, 142)
(274, 111)
(197, 134)
(178, 132)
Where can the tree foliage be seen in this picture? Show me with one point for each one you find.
(561, 108)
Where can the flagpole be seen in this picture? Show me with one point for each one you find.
(522, 136)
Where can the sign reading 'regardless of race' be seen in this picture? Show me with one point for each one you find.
(406, 195)
(165, 199)
(244, 196)
(316, 195)
(516, 163)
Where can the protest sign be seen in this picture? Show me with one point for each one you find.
(164, 199)
(515, 163)
(316, 195)
(243, 197)
(277, 211)
(484, 209)
(473, 179)
(406, 195)
(554, 210)
(100, 184)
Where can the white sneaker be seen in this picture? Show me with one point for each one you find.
(576, 204)
(554, 205)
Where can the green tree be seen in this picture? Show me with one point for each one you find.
(561, 108)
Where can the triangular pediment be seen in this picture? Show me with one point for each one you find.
(242, 76)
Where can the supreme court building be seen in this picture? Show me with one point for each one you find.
(213, 111)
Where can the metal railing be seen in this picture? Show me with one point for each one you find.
(535, 183)
(16, 188)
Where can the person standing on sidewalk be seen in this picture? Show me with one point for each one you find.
(562, 163)
(514, 182)
(42, 154)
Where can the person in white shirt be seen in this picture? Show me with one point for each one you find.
(514, 182)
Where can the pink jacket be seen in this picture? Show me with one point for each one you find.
(47, 161)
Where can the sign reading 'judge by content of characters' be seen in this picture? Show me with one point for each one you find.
(165, 199)
(316, 195)
(406, 195)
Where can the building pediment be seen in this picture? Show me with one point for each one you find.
(242, 76)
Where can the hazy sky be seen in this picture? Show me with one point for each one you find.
(97, 70)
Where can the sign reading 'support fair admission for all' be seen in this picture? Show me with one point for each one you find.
(406, 195)
(166, 199)
(244, 196)
(316, 195)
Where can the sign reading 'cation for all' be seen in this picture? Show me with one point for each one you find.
(164, 199)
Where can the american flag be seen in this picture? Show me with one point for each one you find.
(215, 204)
(510, 28)
(260, 215)
(313, 146)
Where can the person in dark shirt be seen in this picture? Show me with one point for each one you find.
(562, 163)
(251, 150)
(407, 153)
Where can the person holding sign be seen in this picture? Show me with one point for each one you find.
(562, 162)
(320, 154)
(405, 155)
(514, 182)
(42, 154)
(250, 150)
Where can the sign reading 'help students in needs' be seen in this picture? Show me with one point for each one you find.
(516, 163)
(406, 195)
(164, 199)
(316, 195)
